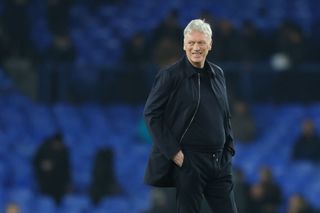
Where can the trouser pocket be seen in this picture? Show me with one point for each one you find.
(226, 158)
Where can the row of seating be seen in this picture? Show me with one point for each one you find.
(29, 201)
(24, 124)
(274, 146)
(104, 31)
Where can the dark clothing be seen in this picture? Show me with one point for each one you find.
(104, 182)
(169, 109)
(17, 25)
(210, 176)
(269, 201)
(52, 169)
(206, 132)
(307, 148)
(58, 15)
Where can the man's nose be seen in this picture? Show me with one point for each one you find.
(196, 46)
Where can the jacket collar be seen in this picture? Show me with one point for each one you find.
(190, 71)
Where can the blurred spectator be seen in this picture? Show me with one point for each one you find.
(61, 50)
(265, 195)
(241, 191)
(163, 201)
(52, 168)
(314, 43)
(166, 52)
(297, 204)
(291, 42)
(308, 144)
(17, 25)
(12, 208)
(56, 71)
(226, 43)
(104, 182)
(252, 42)
(169, 28)
(17, 54)
(58, 15)
(136, 52)
(244, 126)
(132, 85)
(4, 42)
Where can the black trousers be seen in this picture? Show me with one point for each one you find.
(202, 175)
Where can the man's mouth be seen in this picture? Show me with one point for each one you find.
(197, 54)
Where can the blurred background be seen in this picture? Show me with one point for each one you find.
(74, 76)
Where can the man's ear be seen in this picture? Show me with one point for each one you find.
(211, 43)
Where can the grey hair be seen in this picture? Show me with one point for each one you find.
(198, 25)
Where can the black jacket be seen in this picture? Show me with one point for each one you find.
(169, 109)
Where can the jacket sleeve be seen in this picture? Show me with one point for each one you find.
(229, 144)
(154, 115)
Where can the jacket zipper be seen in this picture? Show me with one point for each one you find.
(195, 112)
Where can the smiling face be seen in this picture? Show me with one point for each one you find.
(197, 45)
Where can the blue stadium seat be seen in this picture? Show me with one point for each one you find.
(21, 171)
(21, 196)
(75, 204)
(115, 204)
(44, 204)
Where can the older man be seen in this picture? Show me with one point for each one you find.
(188, 117)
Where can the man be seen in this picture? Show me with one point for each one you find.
(188, 117)
(308, 143)
(52, 167)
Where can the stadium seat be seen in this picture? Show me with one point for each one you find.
(23, 197)
(75, 204)
(44, 204)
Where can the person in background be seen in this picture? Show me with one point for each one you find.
(266, 194)
(298, 204)
(17, 25)
(104, 182)
(307, 145)
(58, 15)
(4, 43)
(55, 75)
(291, 42)
(52, 167)
(136, 56)
(168, 28)
(187, 115)
(241, 191)
(136, 52)
(252, 42)
(227, 43)
(244, 127)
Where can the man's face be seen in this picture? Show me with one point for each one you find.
(197, 45)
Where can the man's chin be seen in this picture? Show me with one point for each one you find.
(197, 61)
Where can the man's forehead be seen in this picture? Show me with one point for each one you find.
(197, 35)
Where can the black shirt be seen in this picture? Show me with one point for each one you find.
(206, 133)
